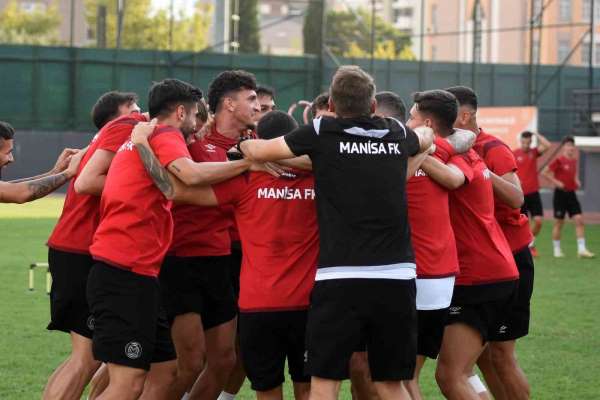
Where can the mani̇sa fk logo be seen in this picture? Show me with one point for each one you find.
(133, 350)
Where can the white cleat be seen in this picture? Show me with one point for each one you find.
(585, 254)
(559, 254)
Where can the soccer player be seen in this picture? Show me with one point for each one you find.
(431, 231)
(320, 106)
(266, 100)
(29, 189)
(389, 104)
(563, 172)
(68, 245)
(364, 287)
(278, 230)
(133, 236)
(488, 276)
(499, 363)
(195, 278)
(526, 157)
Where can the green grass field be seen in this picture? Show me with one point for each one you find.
(561, 356)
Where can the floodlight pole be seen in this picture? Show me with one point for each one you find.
(372, 66)
(591, 49)
(422, 48)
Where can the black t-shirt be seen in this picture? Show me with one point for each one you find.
(360, 175)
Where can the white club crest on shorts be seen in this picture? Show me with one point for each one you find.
(133, 350)
(91, 322)
(305, 355)
(455, 310)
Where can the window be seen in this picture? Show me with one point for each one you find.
(587, 5)
(564, 10)
(265, 9)
(284, 9)
(585, 53)
(597, 52)
(564, 47)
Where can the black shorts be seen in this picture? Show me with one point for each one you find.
(69, 311)
(517, 319)
(487, 317)
(236, 267)
(532, 205)
(565, 202)
(266, 340)
(431, 331)
(128, 329)
(200, 285)
(382, 312)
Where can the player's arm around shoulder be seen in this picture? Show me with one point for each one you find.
(93, 175)
(508, 189)
(23, 192)
(266, 150)
(447, 175)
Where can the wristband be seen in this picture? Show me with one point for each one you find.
(238, 147)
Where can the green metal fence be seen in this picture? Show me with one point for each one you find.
(53, 88)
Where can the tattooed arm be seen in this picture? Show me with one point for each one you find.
(461, 140)
(61, 164)
(157, 172)
(23, 192)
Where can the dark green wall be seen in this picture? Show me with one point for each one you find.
(53, 88)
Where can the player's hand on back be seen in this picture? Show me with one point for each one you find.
(74, 161)
(559, 184)
(269, 167)
(62, 162)
(461, 140)
(142, 131)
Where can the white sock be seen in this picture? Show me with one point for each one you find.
(476, 384)
(580, 245)
(556, 244)
(226, 396)
(186, 396)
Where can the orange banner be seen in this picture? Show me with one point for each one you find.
(507, 122)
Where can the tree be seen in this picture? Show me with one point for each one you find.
(38, 26)
(144, 28)
(348, 34)
(248, 34)
(313, 26)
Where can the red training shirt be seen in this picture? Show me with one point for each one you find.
(431, 231)
(527, 169)
(75, 228)
(277, 222)
(136, 225)
(483, 252)
(500, 160)
(565, 170)
(203, 231)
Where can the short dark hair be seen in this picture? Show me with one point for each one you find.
(526, 134)
(107, 106)
(262, 90)
(321, 102)
(227, 82)
(465, 96)
(274, 124)
(352, 92)
(439, 104)
(202, 111)
(7, 132)
(568, 139)
(167, 94)
(391, 104)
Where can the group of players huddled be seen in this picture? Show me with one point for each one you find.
(210, 239)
